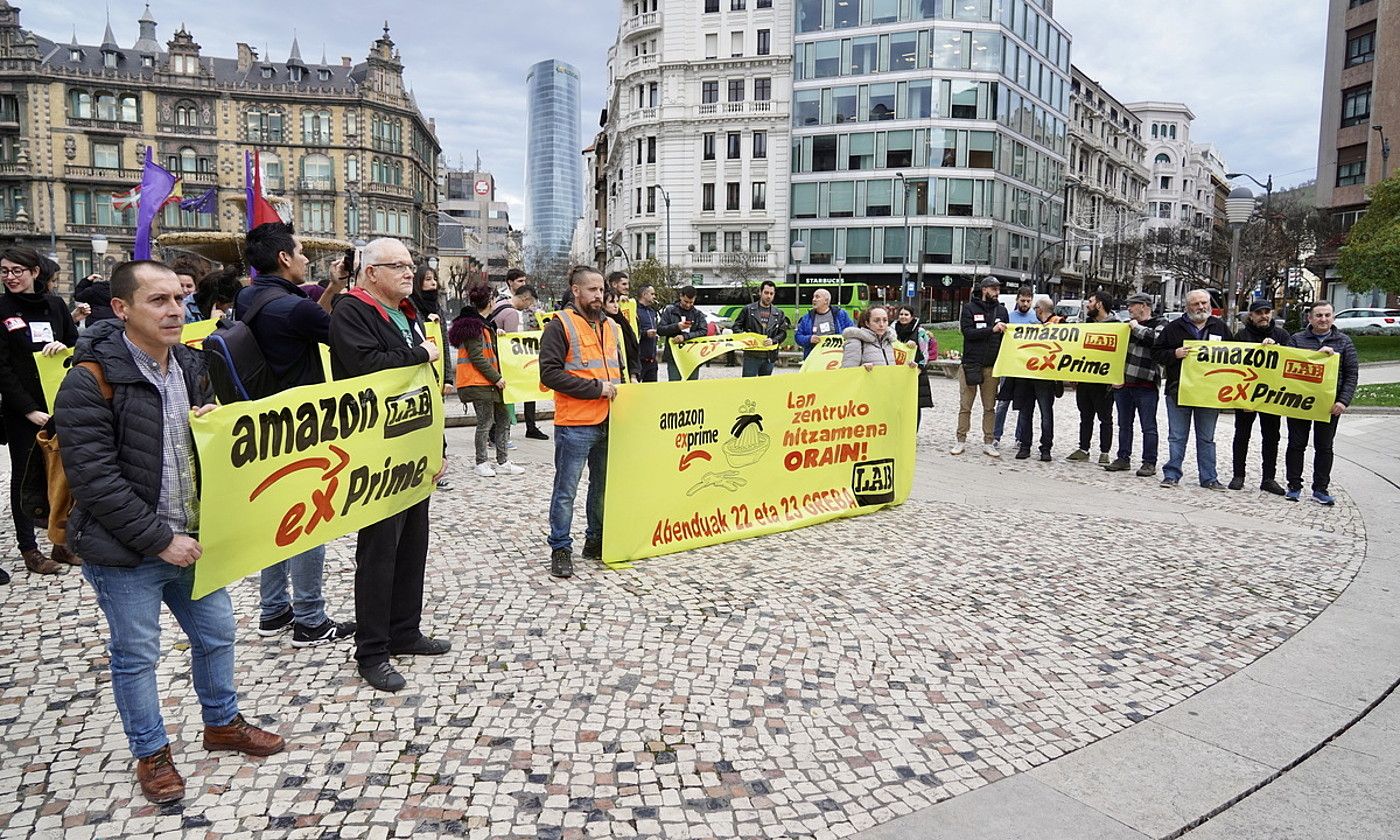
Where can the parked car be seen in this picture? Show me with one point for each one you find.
(1071, 310)
(1168, 317)
(1373, 321)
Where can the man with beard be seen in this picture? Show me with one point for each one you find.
(1094, 399)
(1259, 328)
(1197, 324)
(983, 322)
(1137, 396)
(764, 318)
(1320, 335)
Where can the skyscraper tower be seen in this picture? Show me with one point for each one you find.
(553, 162)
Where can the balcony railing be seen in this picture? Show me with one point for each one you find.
(394, 190)
(101, 173)
(14, 169)
(316, 184)
(120, 231)
(726, 259)
(641, 23)
(199, 179)
(640, 62)
(384, 144)
(316, 138)
(13, 228)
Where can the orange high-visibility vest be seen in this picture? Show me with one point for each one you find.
(594, 353)
(467, 374)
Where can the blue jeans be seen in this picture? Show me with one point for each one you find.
(1143, 402)
(1180, 419)
(304, 571)
(758, 364)
(1003, 406)
(131, 599)
(573, 447)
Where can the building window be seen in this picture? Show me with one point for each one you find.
(758, 241)
(765, 42)
(708, 242)
(1164, 183)
(1361, 47)
(1352, 4)
(264, 127)
(80, 104)
(731, 195)
(107, 155)
(1351, 173)
(294, 73)
(712, 45)
(736, 44)
(707, 198)
(109, 60)
(316, 127)
(709, 92)
(763, 4)
(760, 196)
(736, 90)
(318, 216)
(732, 146)
(762, 90)
(760, 145)
(651, 200)
(711, 6)
(707, 146)
(736, 5)
(1356, 105)
(651, 150)
(1162, 159)
(733, 241)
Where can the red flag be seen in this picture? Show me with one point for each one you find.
(260, 211)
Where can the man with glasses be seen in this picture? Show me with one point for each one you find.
(1322, 335)
(375, 328)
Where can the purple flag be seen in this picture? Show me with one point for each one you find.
(156, 185)
(206, 203)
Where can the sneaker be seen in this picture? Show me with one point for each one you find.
(1103, 459)
(1323, 498)
(991, 451)
(485, 470)
(958, 448)
(1268, 485)
(1119, 465)
(1022, 454)
(561, 563)
(996, 442)
(511, 445)
(329, 631)
(1213, 485)
(445, 485)
(593, 549)
(1147, 469)
(1168, 482)
(276, 624)
(1237, 483)
(1078, 455)
(383, 676)
(1045, 456)
(535, 434)
(509, 468)
(1292, 495)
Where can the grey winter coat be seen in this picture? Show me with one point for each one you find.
(863, 347)
(112, 450)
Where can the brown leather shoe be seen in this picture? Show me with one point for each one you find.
(61, 554)
(160, 781)
(36, 562)
(241, 736)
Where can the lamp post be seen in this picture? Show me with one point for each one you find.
(1385, 151)
(99, 250)
(1267, 187)
(799, 253)
(840, 263)
(433, 263)
(904, 258)
(1238, 208)
(667, 197)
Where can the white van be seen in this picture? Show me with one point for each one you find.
(1071, 309)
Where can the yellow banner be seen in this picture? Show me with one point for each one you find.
(519, 354)
(1259, 377)
(52, 369)
(1064, 352)
(432, 330)
(695, 352)
(827, 354)
(628, 308)
(284, 474)
(193, 335)
(726, 459)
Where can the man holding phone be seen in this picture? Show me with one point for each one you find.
(680, 322)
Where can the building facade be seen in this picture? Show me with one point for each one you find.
(692, 162)
(1360, 116)
(1106, 193)
(345, 144)
(930, 138)
(553, 164)
(1183, 247)
(468, 197)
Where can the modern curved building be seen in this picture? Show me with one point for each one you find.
(553, 162)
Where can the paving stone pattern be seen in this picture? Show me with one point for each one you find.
(809, 684)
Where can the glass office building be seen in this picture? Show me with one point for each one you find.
(929, 134)
(554, 160)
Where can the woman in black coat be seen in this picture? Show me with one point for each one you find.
(906, 329)
(33, 322)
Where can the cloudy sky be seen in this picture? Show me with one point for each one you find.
(1250, 69)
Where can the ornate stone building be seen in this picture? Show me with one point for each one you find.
(344, 143)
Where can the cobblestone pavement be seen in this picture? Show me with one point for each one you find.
(808, 684)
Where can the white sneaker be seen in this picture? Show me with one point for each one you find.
(485, 470)
(991, 451)
(510, 444)
(958, 448)
(509, 468)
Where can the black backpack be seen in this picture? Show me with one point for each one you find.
(238, 370)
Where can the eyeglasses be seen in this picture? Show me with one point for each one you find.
(396, 267)
(17, 271)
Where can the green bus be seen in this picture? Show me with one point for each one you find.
(721, 304)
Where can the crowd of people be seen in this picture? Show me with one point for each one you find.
(123, 415)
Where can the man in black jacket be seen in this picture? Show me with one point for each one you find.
(129, 457)
(374, 328)
(1322, 335)
(1259, 328)
(764, 318)
(1196, 325)
(289, 329)
(1094, 399)
(983, 322)
(680, 322)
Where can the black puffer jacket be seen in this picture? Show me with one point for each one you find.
(981, 341)
(112, 451)
(19, 376)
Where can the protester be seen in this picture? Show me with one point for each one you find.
(1196, 324)
(581, 359)
(188, 272)
(96, 293)
(1259, 328)
(374, 327)
(216, 292)
(1028, 395)
(907, 330)
(129, 456)
(620, 284)
(479, 382)
(870, 344)
(35, 322)
(290, 329)
(983, 321)
(1321, 334)
(1024, 313)
(1095, 399)
(680, 322)
(426, 298)
(1137, 396)
(518, 314)
(821, 320)
(647, 322)
(630, 347)
(515, 278)
(767, 320)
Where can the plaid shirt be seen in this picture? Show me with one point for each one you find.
(178, 504)
(1141, 368)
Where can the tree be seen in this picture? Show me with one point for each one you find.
(651, 271)
(1370, 258)
(549, 272)
(746, 269)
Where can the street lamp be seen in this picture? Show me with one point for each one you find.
(904, 258)
(433, 264)
(99, 250)
(1268, 188)
(799, 253)
(1385, 151)
(1239, 207)
(840, 263)
(667, 196)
